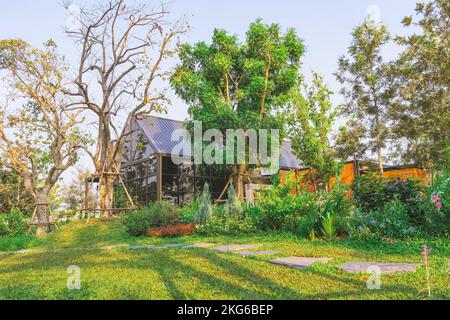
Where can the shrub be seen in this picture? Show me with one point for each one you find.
(329, 229)
(391, 222)
(223, 225)
(371, 193)
(279, 209)
(436, 205)
(189, 212)
(233, 206)
(4, 230)
(13, 224)
(205, 208)
(177, 230)
(153, 216)
(137, 222)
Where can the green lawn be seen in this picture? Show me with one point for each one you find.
(204, 274)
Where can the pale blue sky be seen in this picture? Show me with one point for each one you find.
(324, 25)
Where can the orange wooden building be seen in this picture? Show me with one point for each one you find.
(352, 169)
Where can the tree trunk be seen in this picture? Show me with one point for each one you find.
(106, 188)
(42, 214)
(238, 180)
(380, 161)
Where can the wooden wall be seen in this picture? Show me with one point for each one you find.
(350, 172)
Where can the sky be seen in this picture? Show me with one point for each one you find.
(324, 25)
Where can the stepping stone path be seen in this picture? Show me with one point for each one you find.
(256, 253)
(115, 246)
(203, 245)
(169, 246)
(385, 268)
(235, 247)
(142, 247)
(299, 262)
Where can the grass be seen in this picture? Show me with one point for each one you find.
(205, 274)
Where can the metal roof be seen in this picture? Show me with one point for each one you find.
(159, 132)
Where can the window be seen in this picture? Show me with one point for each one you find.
(181, 183)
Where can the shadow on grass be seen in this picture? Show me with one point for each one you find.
(181, 279)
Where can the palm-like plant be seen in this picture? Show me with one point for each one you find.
(329, 228)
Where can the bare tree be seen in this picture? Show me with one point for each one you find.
(39, 138)
(123, 50)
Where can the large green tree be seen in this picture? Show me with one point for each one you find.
(232, 85)
(310, 118)
(367, 86)
(423, 116)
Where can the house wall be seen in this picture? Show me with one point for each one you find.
(351, 170)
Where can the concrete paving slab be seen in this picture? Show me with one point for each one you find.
(235, 247)
(299, 262)
(256, 253)
(142, 247)
(385, 268)
(201, 245)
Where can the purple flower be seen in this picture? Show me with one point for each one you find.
(439, 206)
(373, 222)
(360, 229)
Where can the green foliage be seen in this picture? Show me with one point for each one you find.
(329, 227)
(120, 198)
(436, 204)
(153, 216)
(392, 222)
(232, 85)
(205, 207)
(230, 219)
(189, 212)
(367, 88)
(19, 242)
(423, 69)
(13, 224)
(233, 206)
(371, 193)
(227, 225)
(13, 194)
(310, 118)
(281, 210)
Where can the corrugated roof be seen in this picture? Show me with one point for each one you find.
(159, 132)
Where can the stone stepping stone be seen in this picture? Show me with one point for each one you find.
(24, 251)
(169, 246)
(299, 262)
(201, 245)
(142, 247)
(115, 246)
(385, 268)
(235, 247)
(256, 253)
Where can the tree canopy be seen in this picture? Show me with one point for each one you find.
(423, 114)
(232, 85)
